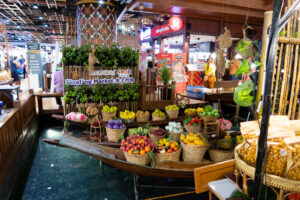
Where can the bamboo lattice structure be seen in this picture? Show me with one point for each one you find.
(286, 76)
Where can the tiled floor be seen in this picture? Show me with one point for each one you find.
(61, 173)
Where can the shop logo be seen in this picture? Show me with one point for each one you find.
(175, 23)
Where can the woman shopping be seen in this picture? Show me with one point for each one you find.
(210, 71)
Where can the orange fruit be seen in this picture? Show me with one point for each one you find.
(175, 149)
(147, 148)
(172, 145)
(169, 151)
(130, 151)
(142, 152)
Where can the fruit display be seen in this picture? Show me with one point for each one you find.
(277, 157)
(115, 124)
(209, 112)
(158, 115)
(172, 111)
(142, 116)
(193, 146)
(92, 111)
(138, 131)
(193, 139)
(172, 107)
(166, 146)
(200, 110)
(221, 149)
(191, 112)
(108, 109)
(114, 130)
(192, 124)
(137, 144)
(226, 143)
(225, 124)
(76, 116)
(174, 127)
(127, 115)
(156, 133)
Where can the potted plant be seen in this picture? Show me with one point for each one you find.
(165, 75)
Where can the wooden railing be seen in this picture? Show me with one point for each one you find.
(13, 130)
(156, 96)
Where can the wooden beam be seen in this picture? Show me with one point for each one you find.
(253, 4)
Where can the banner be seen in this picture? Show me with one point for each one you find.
(35, 66)
(164, 58)
(179, 72)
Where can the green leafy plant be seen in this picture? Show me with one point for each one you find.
(70, 95)
(165, 74)
(76, 56)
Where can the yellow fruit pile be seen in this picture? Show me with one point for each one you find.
(190, 111)
(194, 139)
(200, 110)
(108, 109)
(158, 113)
(127, 114)
(172, 107)
(294, 171)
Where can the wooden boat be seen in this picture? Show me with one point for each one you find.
(115, 157)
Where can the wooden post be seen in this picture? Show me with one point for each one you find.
(153, 52)
(267, 23)
(162, 47)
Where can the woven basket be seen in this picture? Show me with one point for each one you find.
(208, 118)
(108, 116)
(175, 136)
(174, 156)
(142, 118)
(114, 135)
(137, 159)
(155, 118)
(193, 153)
(155, 138)
(172, 114)
(129, 120)
(192, 128)
(220, 155)
(270, 179)
(193, 114)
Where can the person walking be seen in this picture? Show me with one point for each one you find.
(23, 65)
(59, 85)
(14, 70)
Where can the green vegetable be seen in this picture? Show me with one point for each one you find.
(242, 94)
(207, 108)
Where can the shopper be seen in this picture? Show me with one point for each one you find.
(13, 70)
(59, 84)
(210, 73)
(233, 67)
(23, 65)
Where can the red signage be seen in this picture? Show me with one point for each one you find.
(175, 24)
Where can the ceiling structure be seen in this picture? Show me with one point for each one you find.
(45, 20)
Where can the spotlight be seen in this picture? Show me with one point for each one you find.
(35, 7)
(40, 17)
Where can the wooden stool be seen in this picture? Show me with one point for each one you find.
(217, 129)
(223, 188)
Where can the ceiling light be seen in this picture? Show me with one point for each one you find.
(40, 17)
(35, 7)
(19, 39)
(101, 2)
(45, 25)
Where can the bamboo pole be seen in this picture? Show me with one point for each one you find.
(292, 102)
(267, 23)
(277, 78)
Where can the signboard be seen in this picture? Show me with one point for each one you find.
(175, 24)
(145, 34)
(35, 66)
(179, 72)
(120, 76)
(164, 58)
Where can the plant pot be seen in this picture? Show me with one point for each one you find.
(172, 114)
(174, 156)
(108, 116)
(220, 155)
(114, 135)
(137, 159)
(193, 153)
(155, 118)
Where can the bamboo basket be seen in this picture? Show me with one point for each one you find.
(172, 114)
(193, 153)
(174, 156)
(108, 116)
(155, 118)
(192, 128)
(270, 179)
(208, 118)
(155, 138)
(137, 159)
(175, 136)
(144, 118)
(220, 155)
(193, 114)
(114, 135)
